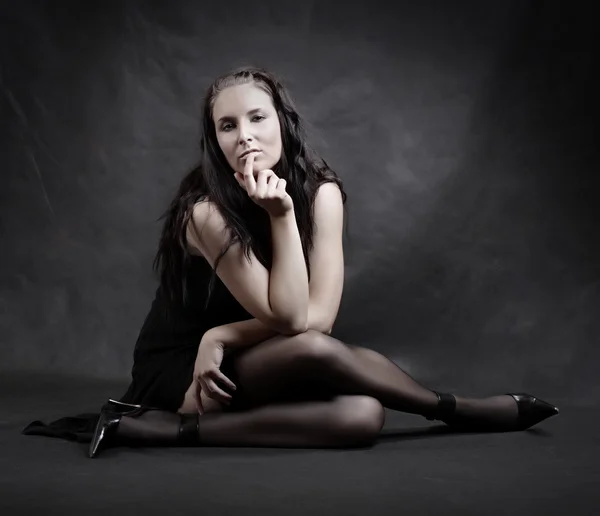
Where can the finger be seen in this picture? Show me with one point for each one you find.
(262, 186)
(248, 174)
(216, 393)
(203, 387)
(198, 399)
(240, 180)
(272, 187)
(210, 391)
(274, 184)
(248, 164)
(228, 383)
(281, 184)
(219, 376)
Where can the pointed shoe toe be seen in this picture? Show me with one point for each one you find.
(532, 410)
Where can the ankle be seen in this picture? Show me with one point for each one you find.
(189, 429)
(445, 408)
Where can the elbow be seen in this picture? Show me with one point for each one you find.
(320, 325)
(286, 327)
(302, 328)
(303, 325)
(296, 327)
(326, 330)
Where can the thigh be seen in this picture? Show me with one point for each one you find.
(279, 369)
(261, 373)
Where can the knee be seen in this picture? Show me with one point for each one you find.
(316, 347)
(361, 419)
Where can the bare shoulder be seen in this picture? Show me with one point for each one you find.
(206, 230)
(329, 203)
(328, 192)
(329, 186)
(200, 213)
(245, 277)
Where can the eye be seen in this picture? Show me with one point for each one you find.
(225, 126)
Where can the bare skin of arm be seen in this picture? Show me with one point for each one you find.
(263, 294)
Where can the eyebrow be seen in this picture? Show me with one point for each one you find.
(231, 118)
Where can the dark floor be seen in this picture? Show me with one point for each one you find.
(552, 469)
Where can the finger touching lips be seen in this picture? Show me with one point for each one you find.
(248, 170)
(251, 153)
(249, 160)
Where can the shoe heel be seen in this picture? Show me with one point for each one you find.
(102, 428)
(108, 421)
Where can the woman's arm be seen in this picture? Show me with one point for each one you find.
(288, 283)
(278, 298)
(240, 334)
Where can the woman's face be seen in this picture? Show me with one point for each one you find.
(245, 118)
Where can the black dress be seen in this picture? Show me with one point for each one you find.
(165, 352)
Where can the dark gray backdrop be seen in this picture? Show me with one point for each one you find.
(462, 131)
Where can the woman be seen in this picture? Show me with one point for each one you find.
(251, 361)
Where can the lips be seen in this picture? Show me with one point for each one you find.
(245, 153)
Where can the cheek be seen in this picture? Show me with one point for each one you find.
(275, 137)
(226, 146)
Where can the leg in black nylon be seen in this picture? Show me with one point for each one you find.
(343, 421)
(283, 366)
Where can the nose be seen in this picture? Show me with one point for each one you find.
(244, 135)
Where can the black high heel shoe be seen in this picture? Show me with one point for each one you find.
(105, 433)
(532, 411)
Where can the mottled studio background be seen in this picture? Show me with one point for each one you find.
(463, 132)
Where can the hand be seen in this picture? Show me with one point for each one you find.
(207, 373)
(268, 192)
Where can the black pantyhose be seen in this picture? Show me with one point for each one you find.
(284, 367)
(343, 421)
(279, 380)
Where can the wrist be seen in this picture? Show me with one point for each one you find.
(212, 337)
(283, 217)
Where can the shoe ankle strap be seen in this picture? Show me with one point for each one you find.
(445, 408)
(188, 430)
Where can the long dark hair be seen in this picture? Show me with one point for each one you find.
(249, 224)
